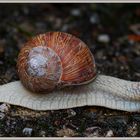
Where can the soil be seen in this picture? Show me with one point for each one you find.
(112, 33)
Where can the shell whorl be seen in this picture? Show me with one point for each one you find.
(55, 59)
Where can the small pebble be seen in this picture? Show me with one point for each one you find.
(71, 113)
(132, 130)
(27, 131)
(94, 19)
(100, 55)
(1, 62)
(135, 28)
(66, 132)
(92, 131)
(42, 133)
(4, 107)
(65, 27)
(2, 116)
(109, 133)
(75, 12)
(104, 38)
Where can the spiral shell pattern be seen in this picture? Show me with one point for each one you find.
(53, 60)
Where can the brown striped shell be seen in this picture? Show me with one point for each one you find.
(55, 60)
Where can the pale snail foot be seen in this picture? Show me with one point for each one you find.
(104, 91)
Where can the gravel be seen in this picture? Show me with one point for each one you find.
(115, 54)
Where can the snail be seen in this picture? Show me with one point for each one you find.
(58, 71)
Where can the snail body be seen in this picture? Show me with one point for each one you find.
(104, 91)
(55, 60)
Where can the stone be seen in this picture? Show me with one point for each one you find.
(109, 133)
(103, 38)
(4, 107)
(27, 131)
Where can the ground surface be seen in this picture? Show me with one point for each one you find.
(107, 29)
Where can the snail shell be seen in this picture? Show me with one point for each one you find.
(55, 60)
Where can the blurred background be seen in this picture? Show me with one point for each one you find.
(112, 32)
(105, 28)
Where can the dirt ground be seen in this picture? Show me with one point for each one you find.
(112, 33)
